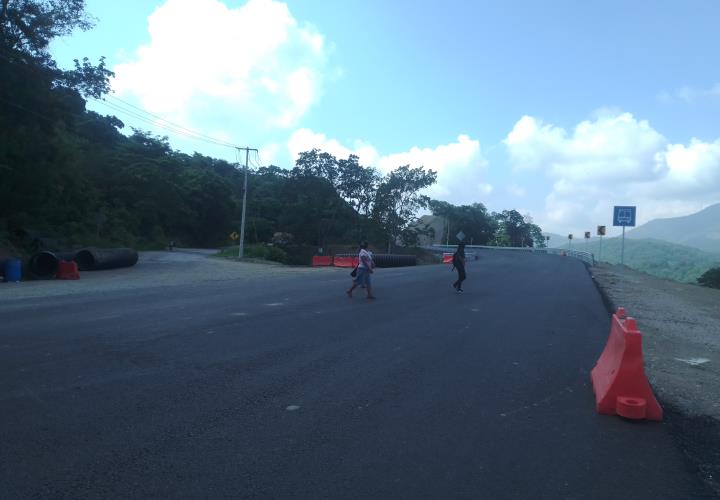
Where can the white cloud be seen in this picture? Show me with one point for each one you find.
(611, 148)
(254, 63)
(305, 139)
(460, 165)
(614, 159)
(690, 95)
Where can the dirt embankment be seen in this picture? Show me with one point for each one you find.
(681, 335)
(680, 324)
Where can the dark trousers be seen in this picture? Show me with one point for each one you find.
(461, 277)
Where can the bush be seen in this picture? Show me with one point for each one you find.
(259, 251)
(275, 254)
(711, 278)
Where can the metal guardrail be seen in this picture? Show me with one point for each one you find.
(584, 256)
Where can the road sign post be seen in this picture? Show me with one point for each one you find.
(624, 216)
(570, 241)
(601, 233)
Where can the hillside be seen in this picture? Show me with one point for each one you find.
(659, 258)
(700, 230)
(557, 240)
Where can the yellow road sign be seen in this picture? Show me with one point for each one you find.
(234, 235)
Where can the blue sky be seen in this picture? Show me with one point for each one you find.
(558, 109)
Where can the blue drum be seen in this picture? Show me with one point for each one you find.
(13, 270)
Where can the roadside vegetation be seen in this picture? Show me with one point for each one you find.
(70, 177)
(655, 257)
(710, 278)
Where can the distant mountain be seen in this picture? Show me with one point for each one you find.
(700, 230)
(659, 258)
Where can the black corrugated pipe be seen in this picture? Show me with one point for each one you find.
(94, 259)
(44, 265)
(392, 260)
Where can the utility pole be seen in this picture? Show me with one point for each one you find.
(241, 248)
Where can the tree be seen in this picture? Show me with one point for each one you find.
(473, 220)
(516, 230)
(357, 184)
(710, 278)
(397, 199)
(28, 26)
(316, 163)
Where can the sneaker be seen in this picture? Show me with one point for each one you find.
(460, 290)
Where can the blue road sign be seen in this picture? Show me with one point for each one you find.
(624, 216)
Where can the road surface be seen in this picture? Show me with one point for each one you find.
(282, 387)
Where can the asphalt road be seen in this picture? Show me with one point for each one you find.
(285, 388)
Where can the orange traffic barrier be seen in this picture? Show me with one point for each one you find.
(67, 270)
(345, 261)
(618, 379)
(322, 260)
(447, 258)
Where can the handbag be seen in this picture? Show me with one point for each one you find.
(354, 272)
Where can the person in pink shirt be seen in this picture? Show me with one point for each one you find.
(364, 270)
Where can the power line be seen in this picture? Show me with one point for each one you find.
(167, 125)
(175, 125)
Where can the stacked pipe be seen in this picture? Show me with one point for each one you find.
(45, 264)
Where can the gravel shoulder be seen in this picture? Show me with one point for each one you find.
(154, 269)
(680, 324)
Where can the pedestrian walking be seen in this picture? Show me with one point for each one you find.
(363, 271)
(459, 264)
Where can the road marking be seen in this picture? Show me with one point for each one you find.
(292, 408)
(239, 314)
(475, 310)
(275, 304)
(694, 361)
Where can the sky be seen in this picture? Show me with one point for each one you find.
(558, 109)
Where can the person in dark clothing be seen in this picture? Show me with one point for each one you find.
(459, 264)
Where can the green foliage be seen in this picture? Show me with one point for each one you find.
(507, 228)
(516, 230)
(659, 258)
(474, 220)
(710, 278)
(397, 199)
(267, 252)
(71, 173)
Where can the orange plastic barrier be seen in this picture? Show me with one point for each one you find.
(345, 261)
(322, 260)
(618, 378)
(447, 258)
(67, 270)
